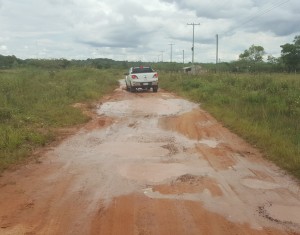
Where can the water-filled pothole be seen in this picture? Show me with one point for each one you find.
(147, 106)
(152, 172)
(259, 184)
(209, 142)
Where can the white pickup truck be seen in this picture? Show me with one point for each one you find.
(141, 77)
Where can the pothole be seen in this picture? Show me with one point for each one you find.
(209, 142)
(281, 214)
(188, 183)
(259, 184)
(172, 148)
(146, 107)
(152, 172)
(131, 150)
(189, 178)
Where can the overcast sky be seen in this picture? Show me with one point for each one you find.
(143, 30)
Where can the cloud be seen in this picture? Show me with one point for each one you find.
(61, 2)
(3, 47)
(136, 29)
(247, 15)
(131, 28)
(213, 9)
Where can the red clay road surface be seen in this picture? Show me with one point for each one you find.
(149, 163)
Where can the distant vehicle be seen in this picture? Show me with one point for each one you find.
(141, 77)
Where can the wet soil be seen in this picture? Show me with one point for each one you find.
(149, 163)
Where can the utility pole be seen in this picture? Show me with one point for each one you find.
(171, 44)
(162, 56)
(217, 51)
(193, 48)
(183, 56)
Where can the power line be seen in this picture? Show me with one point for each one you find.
(263, 12)
(260, 13)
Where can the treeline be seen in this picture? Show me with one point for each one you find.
(255, 59)
(239, 66)
(8, 62)
(242, 66)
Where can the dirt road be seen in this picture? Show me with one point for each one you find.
(149, 163)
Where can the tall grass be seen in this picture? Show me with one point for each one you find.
(33, 102)
(263, 108)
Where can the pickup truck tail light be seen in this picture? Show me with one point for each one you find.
(155, 75)
(134, 76)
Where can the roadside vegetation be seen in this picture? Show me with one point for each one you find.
(263, 108)
(37, 101)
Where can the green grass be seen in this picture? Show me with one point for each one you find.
(263, 108)
(34, 102)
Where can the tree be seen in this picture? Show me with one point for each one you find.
(253, 54)
(8, 61)
(272, 60)
(290, 54)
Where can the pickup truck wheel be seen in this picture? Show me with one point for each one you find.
(131, 89)
(154, 89)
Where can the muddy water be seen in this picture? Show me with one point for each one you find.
(148, 152)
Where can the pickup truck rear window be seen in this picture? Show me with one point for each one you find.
(142, 70)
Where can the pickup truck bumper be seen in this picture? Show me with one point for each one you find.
(144, 84)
